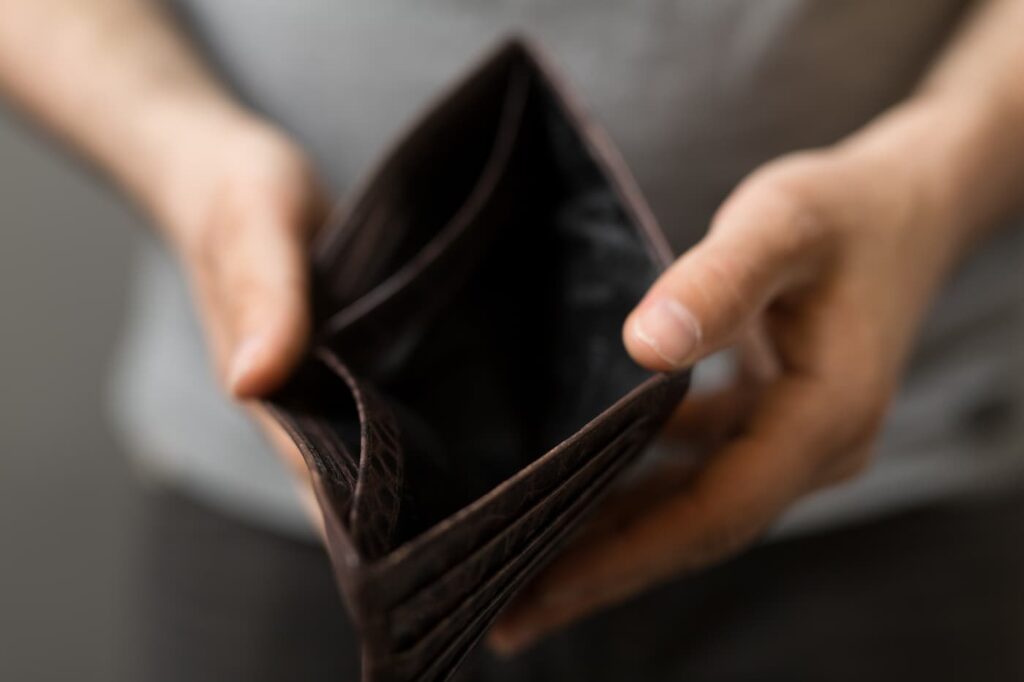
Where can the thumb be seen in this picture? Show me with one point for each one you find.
(760, 243)
(263, 287)
(252, 281)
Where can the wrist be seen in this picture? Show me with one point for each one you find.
(952, 163)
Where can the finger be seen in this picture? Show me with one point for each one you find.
(703, 421)
(708, 419)
(762, 242)
(255, 276)
(729, 502)
(266, 286)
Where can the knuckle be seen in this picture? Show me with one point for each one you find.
(852, 408)
(217, 233)
(776, 226)
(851, 464)
(861, 414)
(240, 214)
(867, 409)
(718, 278)
(871, 421)
(721, 541)
(788, 192)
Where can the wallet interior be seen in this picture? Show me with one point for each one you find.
(496, 267)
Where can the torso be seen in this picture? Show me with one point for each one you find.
(696, 93)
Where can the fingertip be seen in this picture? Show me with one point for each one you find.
(273, 340)
(248, 368)
(260, 364)
(641, 352)
(661, 334)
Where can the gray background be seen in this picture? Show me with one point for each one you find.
(67, 497)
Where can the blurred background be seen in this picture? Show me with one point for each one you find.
(67, 497)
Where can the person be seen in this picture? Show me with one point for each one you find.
(841, 180)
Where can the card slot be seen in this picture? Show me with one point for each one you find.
(374, 330)
(376, 500)
(409, 619)
(325, 457)
(431, 169)
(528, 349)
(299, 408)
(418, 562)
(444, 666)
(464, 627)
(330, 414)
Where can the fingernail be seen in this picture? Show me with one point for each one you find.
(669, 329)
(242, 363)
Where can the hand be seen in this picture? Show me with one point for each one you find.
(241, 213)
(832, 257)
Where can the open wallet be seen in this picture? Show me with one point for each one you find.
(468, 397)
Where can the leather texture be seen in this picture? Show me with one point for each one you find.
(467, 400)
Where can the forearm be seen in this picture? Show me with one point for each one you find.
(959, 139)
(115, 79)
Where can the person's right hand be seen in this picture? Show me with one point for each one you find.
(241, 216)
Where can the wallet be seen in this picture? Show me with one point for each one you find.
(468, 398)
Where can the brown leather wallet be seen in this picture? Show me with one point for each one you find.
(468, 397)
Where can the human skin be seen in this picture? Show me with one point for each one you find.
(828, 257)
(230, 192)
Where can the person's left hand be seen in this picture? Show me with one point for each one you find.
(240, 202)
(837, 254)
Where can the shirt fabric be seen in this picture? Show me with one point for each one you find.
(696, 94)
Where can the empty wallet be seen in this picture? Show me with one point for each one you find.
(468, 397)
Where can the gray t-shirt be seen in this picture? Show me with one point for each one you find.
(697, 93)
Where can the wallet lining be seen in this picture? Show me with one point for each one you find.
(529, 348)
(522, 346)
(423, 607)
(468, 397)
